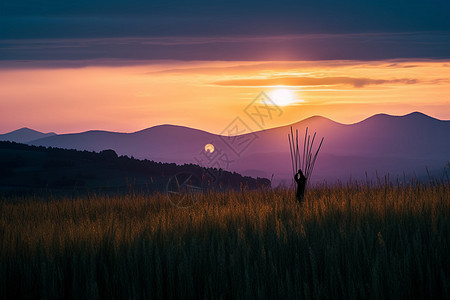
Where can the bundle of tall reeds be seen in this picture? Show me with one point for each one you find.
(305, 159)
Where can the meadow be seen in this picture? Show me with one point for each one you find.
(349, 241)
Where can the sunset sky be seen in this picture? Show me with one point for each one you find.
(128, 65)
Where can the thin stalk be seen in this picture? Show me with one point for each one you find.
(297, 158)
(307, 152)
(290, 149)
(294, 165)
(315, 156)
(309, 165)
(310, 153)
(304, 145)
(294, 151)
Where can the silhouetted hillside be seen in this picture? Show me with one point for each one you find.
(25, 168)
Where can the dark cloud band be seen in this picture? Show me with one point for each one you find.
(374, 46)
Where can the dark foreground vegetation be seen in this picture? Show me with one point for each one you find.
(344, 242)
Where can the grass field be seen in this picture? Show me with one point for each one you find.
(344, 242)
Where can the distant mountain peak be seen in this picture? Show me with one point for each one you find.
(24, 129)
(417, 114)
(321, 118)
(24, 135)
(413, 117)
(164, 127)
(316, 121)
(28, 130)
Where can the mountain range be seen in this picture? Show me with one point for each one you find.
(409, 145)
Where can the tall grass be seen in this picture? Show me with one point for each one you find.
(344, 242)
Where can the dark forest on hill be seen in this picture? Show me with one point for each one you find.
(28, 169)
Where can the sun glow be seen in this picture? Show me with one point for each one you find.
(209, 148)
(283, 97)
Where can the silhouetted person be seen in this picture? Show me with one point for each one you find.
(301, 185)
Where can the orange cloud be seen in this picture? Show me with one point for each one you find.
(314, 81)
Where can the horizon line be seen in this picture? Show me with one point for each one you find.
(199, 129)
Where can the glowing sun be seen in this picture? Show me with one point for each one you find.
(283, 97)
(209, 148)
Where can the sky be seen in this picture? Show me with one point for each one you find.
(71, 66)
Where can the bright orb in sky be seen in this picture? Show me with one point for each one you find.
(209, 148)
(283, 97)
